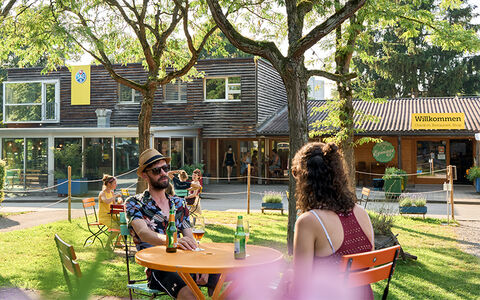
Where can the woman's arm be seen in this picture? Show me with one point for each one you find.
(303, 251)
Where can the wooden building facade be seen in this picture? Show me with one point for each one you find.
(193, 122)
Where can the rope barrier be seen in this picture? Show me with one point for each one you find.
(400, 175)
(51, 204)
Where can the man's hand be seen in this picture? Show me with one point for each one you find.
(187, 243)
(202, 279)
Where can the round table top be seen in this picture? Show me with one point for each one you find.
(216, 258)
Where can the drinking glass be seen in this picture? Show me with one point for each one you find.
(198, 229)
(246, 226)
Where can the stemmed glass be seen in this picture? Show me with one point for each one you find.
(246, 227)
(198, 230)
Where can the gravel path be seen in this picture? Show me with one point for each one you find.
(469, 236)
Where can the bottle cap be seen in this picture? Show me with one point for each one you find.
(240, 217)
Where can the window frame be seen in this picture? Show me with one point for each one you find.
(43, 104)
(179, 83)
(132, 100)
(227, 89)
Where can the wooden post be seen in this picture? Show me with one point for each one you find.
(69, 193)
(450, 169)
(248, 188)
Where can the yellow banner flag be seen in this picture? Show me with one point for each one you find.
(80, 85)
(438, 121)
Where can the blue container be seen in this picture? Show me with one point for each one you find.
(413, 210)
(477, 184)
(78, 187)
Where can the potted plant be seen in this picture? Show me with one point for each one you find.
(395, 181)
(272, 200)
(70, 155)
(473, 174)
(408, 205)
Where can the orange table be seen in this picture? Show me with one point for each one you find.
(216, 258)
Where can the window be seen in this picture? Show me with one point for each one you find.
(431, 158)
(175, 92)
(128, 95)
(31, 102)
(222, 89)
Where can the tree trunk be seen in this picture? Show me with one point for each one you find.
(144, 119)
(347, 125)
(295, 80)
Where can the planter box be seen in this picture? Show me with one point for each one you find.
(477, 184)
(272, 206)
(393, 187)
(78, 188)
(422, 210)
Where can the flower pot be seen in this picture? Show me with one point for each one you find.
(393, 187)
(477, 184)
(272, 205)
(413, 210)
(78, 187)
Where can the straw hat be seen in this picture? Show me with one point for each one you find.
(149, 156)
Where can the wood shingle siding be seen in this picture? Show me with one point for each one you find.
(271, 91)
(218, 119)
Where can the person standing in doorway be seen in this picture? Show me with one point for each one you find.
(229, 161)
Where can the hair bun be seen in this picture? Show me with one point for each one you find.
(330, 148)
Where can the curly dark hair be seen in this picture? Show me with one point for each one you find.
(321, 181)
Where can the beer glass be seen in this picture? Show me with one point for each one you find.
(198, 229)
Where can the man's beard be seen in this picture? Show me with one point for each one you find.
(159, 184)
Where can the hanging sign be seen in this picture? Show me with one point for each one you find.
(438, 121)
(80, 85)
(383, 152)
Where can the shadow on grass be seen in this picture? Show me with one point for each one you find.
(445, 278)
(435, 236)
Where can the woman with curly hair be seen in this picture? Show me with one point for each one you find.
(331, 224)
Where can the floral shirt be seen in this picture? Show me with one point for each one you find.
(142, 206)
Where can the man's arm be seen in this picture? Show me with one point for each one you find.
(147, 235)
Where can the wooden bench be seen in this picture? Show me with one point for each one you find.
(271, 208)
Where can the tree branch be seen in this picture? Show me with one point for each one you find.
(298, 48)
(267, 50)
(162, 40)
(331, 76)
(7, 8)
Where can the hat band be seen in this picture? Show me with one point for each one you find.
(153, 158)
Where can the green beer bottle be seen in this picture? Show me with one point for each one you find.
(240, 252)
(171, 233)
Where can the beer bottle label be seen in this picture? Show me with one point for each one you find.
(175, 239)
(236, 246)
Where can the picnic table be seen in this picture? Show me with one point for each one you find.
(216, 258)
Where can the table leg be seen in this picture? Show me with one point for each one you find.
(228, 290)
(192, 285)
(218, 288)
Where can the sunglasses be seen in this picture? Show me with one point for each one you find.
(158, 170)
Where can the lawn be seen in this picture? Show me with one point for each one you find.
(29, 259)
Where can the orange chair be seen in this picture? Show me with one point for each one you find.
(89, 204)
(369, 267)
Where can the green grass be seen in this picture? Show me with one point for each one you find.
(29, 259)
(4, 215)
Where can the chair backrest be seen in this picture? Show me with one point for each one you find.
(89, 204)
(369, 267)
(181, 193)
(67, 258)
(365, 192)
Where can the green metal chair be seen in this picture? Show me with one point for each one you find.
(68, 257)
(134, 285)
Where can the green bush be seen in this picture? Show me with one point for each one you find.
(381, 222)
(406, 202)
(70, 155)
(473, 173)
(393, 172)
(2, 179)
(420, 202)
(272, 197)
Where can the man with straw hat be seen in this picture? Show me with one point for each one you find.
(147, 214)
